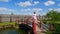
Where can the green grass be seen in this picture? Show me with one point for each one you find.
(58, 22)
(7, 23)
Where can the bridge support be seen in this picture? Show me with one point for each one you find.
(41, 26)
(51, 27)
(26, 27)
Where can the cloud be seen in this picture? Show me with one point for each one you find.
(24, 4)
(44, 13)
(26, 10)
(59, 4)
(6, 9)
(33, 9)
(48, 3)
(55, 9)
(2, 9)
(4, 0)
(30, 0)
(50, 9)
(37, 9)
(27, 3)
(36, 2)
(30, 10)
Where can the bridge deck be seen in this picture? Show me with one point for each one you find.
(38, 31)
(38, 28)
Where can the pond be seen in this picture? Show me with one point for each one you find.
(13, 31)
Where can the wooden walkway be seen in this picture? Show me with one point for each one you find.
(38, 31)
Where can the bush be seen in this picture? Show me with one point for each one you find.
(56, 29)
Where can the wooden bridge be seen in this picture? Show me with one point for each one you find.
(38, 28)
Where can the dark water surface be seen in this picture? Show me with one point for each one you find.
(13, 31)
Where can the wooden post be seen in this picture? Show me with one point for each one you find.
(10, 19)
(40, 25)
(29, 32)
(17, 20)
(0, 19)
(27, 20)
(51, 27)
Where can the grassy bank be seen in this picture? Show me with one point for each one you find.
(7, 23)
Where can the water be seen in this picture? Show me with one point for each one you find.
(13, 31)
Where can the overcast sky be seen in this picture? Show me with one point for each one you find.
(27, 7)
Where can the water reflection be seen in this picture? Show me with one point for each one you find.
(13, 31)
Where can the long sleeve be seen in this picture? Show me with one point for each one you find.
(35, 18)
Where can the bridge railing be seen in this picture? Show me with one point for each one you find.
(45, 27)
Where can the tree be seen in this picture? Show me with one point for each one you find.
(54, 15)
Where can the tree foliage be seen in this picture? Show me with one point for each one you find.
(54, 15)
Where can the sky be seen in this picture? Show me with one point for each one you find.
(27, 7)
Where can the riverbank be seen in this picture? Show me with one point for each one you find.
(5, 25)
(13, 25)
(13, 31)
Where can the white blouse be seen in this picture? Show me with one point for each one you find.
(34, 16)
